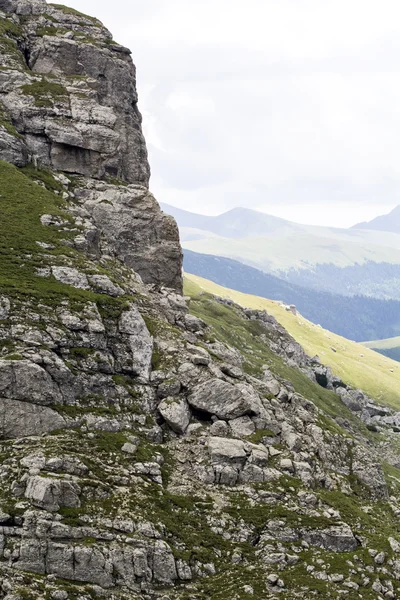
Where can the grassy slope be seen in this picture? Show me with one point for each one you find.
(22, 203)
(358, 366)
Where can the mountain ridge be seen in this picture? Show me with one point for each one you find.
(389, 222)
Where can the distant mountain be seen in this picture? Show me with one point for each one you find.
(376, 280)
(389, 222)
(341, 261)
(357, 318)
(389, 347)
(234, 224)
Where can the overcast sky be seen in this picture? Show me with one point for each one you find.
(291, 107)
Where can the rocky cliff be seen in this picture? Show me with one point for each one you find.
(68, 102)
(154, 446)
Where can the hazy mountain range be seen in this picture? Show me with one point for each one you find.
(342, 261)
(347, 280)
(389, 222)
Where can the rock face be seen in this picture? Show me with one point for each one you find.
(68, 101)
(77, 105)
(145, 454)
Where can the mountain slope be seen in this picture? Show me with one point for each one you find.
(389, 222)
(357, 318)
(360, 367)
(389, 347)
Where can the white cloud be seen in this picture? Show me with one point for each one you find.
(281, 105)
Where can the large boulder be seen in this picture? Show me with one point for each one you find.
(22, 419)
(138, 339)
(51, 494)
(338, 538)
(134, 229)
(26, 381)
(175, 412)
(225, 400)
(227, 451)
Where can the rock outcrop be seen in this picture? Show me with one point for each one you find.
(152, 446)
(68, 102)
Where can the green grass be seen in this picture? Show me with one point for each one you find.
(72, 11)
(5, 122)
(22, 203)
(45, 93)
(9, 32)
(360, 367)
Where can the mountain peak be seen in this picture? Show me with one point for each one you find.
(389, 222)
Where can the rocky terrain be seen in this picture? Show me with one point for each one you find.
(155, 446)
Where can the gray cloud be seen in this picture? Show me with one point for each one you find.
(289, 107)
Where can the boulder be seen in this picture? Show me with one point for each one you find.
(225, 400)
(50, 494)
(226, 451)
(26, 381)
(22, 419)
(338, 538)
(176, 413)
(132, 325)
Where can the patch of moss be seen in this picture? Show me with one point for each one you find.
(45, 92)
(10, 32)
(22, 203)
(49, 30)
(5, 121)
(72, 11)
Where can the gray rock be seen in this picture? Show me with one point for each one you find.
(194, 324)
(24, 380)
(70, 276)
(50, 494)
(131, 323)
(5, 307)
(129, 448)
(225, 400)
(226, 451)
(175, 412)
(219, 429)
(22, 419)
(338, 538)
(136, 231)
(12, 149)
(242, 426)
(232, 371)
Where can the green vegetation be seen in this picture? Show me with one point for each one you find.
(50, 30)
(44, 176)
(9, 32)
(5, 122)
(22, 203)
(229, 327)
(72, 11)
(45, 92)
(360, 367)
